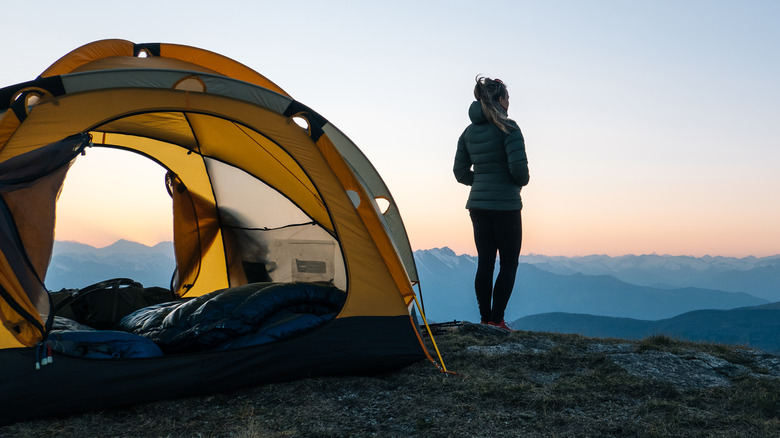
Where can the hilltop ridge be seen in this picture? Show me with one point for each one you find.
(507, 384)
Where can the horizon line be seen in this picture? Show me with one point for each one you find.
(474, 255)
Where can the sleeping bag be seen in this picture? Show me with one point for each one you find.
(264, 312)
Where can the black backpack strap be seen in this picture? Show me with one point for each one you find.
(114, 283)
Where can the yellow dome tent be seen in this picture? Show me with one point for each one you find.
(256, 179)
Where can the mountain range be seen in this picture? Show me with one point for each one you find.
(719, 299)
(76, 265)
(756, 276)
(628, 297)
(757, 326)
(447, 288)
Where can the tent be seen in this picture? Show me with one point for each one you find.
(264, 191)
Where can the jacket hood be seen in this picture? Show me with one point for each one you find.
(476, 114)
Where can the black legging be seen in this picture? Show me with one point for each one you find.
(496, 231)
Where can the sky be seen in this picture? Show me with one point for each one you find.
(650, 126)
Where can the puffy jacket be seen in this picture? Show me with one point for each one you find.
(500, 165)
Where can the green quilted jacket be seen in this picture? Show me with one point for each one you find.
(493, 163)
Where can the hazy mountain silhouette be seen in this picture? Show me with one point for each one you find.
(756, 326)
(75, 265)
(759, 277)
(447, 285)
(447, 281)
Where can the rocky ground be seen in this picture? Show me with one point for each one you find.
(505, 384)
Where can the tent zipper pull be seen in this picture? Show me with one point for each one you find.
(43, 349)
(45, 360)
(38, 356)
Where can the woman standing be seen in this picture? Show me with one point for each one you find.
(491, 159)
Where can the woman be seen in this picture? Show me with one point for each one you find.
(491, 159)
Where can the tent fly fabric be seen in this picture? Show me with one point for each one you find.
(285, 265)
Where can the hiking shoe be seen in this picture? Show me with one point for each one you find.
(502, 325)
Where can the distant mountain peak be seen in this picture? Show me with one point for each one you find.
(121, 246)
(75, 265)
(443, 257)
(446, 251)
(125, 243)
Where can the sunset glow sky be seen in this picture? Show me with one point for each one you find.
(651, 127)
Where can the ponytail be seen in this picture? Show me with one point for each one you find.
(488, 92)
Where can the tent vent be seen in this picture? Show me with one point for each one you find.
(143, 53)
(382, 204)
(190, 83)
(354, 197)
(302, 122)
(32, 99)
(23, 102)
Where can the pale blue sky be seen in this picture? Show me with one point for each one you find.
(651, 126)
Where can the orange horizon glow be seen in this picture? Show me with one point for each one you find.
(112, 195)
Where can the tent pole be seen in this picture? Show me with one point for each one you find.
(430, 334)
(422, 300)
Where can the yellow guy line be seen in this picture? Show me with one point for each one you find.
(430, 334)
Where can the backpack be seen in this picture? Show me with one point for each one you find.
(102, 305)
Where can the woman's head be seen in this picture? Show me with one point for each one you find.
(494, 97)
(490, 90)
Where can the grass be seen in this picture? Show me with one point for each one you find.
(553, 387)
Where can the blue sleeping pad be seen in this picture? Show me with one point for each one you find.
(102, 344)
